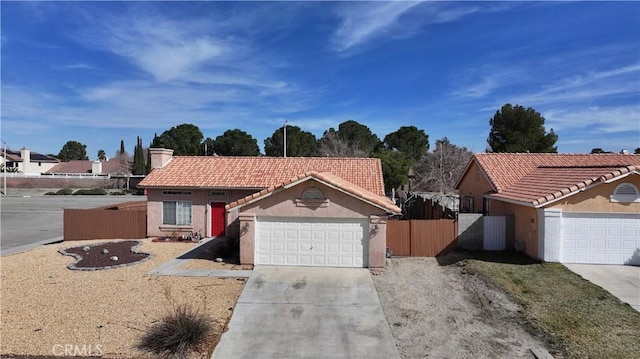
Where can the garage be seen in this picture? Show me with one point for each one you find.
(323, 242)
(600, 238)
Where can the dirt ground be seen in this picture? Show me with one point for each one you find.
(439, 311)
(47, 308)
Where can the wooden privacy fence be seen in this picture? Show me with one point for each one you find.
(121, 221)
(421, 238)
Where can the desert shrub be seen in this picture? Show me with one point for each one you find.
(117, 193)
(182, 330)
(90, 192)
(60, 192)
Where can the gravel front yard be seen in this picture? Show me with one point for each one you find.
(45, 305)
(442, 312)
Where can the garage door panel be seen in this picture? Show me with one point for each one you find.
(311, 242)
(600, 238)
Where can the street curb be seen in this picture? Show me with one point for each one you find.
(28, 247)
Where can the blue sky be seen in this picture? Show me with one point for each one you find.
(99, 72)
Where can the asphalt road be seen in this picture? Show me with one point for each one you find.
(28, 221)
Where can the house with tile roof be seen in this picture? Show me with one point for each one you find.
(284, 211)
(27, 161)
(113, 166)
(572, 208)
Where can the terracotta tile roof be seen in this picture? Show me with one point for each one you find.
(537, 178)
(261, 172)
(111, 166)
(328, 179)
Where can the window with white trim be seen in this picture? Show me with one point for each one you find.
(625, 193)
(176, 213)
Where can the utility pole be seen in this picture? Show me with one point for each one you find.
(285, 138)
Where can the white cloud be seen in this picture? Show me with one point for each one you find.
(595, 120)
(361, 22)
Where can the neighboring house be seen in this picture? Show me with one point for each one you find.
(28, 162)
(285, 211)
(573, 208)
(113, 166)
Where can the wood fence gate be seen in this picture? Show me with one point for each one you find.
(421, 238)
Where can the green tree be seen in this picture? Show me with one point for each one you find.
(73, 150)
(395, 169)
(438, 171)
(236, 143)
(206, 147)
(412, 142)
(122, 149)
(358, 136)
(139, 164)
(183, 139)
(299, 143)
(102, 156)
(516, 129)
(637, 151)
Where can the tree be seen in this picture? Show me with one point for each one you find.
(102, 156)
(395, 169)
(122, 149)
(299, 143)
(599, 150)
(73, 150)
(139, 164)
(236, 143)
(331, 145)
(358, 136)
(438, 171)
(206, 148)
(637, 151)
(183, 139)
(410, 141)
(516, 129)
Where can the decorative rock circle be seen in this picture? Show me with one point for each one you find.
(124, 253)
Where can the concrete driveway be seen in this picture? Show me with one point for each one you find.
(305, 312)
(621, 281)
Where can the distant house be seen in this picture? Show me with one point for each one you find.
(28, 162)
(573, 208)
(285, 211)
(113, 166)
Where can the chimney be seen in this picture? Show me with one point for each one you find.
(25, 154)
(96, 167)
(160, 157)
(624, 152)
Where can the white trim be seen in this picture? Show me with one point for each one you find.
(624, 198)
(622, 176)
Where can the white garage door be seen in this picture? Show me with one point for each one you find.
(600, 238)
(324, 242)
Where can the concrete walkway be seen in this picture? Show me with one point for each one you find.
(621, 281)
(172, 267)
(307, 312)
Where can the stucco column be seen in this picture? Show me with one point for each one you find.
(377, 242)
(247, 237)
(549, 234)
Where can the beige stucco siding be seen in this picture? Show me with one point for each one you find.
(200, 211)
(597, 199)
(474, 184)
(286, 203)
(526, 223)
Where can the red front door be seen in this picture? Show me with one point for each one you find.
(217, 219)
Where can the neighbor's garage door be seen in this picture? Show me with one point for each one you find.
(328, 242)
(600, 238)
